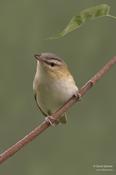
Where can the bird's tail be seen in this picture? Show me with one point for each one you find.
(63, 119)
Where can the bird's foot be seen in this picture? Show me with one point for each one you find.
(77, 94)
(51, 121)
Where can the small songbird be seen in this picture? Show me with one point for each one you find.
(53, 84)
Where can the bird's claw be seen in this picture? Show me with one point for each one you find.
(50, 120)
(77, 94)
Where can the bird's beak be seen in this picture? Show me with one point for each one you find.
(37, 57)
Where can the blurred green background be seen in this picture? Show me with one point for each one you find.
(89, 138)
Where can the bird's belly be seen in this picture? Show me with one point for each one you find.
(48, 100)
(51, 97)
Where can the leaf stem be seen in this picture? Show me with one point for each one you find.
(111, 16)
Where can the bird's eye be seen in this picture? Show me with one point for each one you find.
(52, 64)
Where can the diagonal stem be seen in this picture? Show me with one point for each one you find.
(45, 124)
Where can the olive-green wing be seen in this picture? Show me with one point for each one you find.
(35, 96)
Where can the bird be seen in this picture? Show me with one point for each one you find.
(53, 85)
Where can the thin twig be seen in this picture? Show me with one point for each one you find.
(45, 124)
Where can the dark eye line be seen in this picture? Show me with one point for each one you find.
(51, 63)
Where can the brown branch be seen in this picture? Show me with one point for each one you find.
(45, 124)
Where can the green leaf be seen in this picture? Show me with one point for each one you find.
(84, 16)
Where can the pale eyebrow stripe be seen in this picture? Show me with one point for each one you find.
(54, 58)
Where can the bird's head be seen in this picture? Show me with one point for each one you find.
(53, 66)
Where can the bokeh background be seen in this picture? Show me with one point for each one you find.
(89, 138)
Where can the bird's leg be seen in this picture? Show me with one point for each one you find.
(51, 121)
